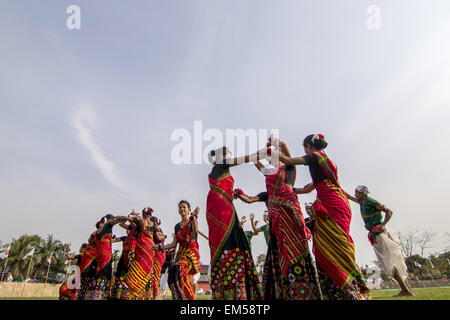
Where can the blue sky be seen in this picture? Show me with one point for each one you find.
(87, 115)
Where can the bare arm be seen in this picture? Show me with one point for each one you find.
(254, 224)
(195, 214)
(248, 199)
(261, 168)
(290, 161)
(167, 246)
(123, 225)
(160, 236)
(242, 222)
(386, 210)
(284, 149)
(203, 235)
(351, 197)
(306, 189)
(120, 219)
(254, 157)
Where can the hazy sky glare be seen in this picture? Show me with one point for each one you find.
(87, 115)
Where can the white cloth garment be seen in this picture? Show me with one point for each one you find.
(196, 277)
(163, 281)
(389, 254)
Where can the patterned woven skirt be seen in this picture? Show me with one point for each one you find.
(118, 284)
(332, 292)
(299, 284)
(100, 287)
(181, 275)
(234, 275)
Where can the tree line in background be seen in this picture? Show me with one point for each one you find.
(413, 243)
(37, 265)
(425, 267)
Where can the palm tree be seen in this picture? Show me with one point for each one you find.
(19, 248)
(47, 247)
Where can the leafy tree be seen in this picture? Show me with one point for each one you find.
(19, 248)
(260, 260)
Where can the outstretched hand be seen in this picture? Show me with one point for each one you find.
(196, 211)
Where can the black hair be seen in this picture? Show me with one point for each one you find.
(109, 216)
(155, 220)
(316, 141)
(84, 245)
(212, 155)
(187, 203)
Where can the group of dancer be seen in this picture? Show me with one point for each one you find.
(289, 270)
(144, 258)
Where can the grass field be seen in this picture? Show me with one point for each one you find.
(442, 293)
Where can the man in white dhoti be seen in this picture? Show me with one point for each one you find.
(386, 247)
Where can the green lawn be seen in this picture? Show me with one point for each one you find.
(442, 293)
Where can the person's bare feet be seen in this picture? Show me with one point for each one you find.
(405, 294)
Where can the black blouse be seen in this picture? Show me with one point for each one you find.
(315, 170)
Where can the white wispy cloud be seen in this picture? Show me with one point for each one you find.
(83, 122)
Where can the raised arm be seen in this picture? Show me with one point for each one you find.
(261, 168)
(288, 160)
(68, 254)
(350, 197)
(242, 222)
(120, 219)
(195, 224)
(254, 224)
(254, 157)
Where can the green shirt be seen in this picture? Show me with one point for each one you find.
(265, 229)
(249, 235)
(370, 214)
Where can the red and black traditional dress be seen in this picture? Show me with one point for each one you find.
(100, 288)
(187, 262)
(129, 245)
(160, 258)
(88, 267)
(64, 292)
(233, 272)
(289, 270)
(339, 275)
(139, 272)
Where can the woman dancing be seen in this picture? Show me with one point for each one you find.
(340, 277)
(137, 279)
(100, 289)
(128, 249)
(160, 258)
(233, 272)
(386, 247)
(187, 260)
(64, 292)
(88, 265)
(289, 272)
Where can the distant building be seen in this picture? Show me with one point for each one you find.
(203, 282)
